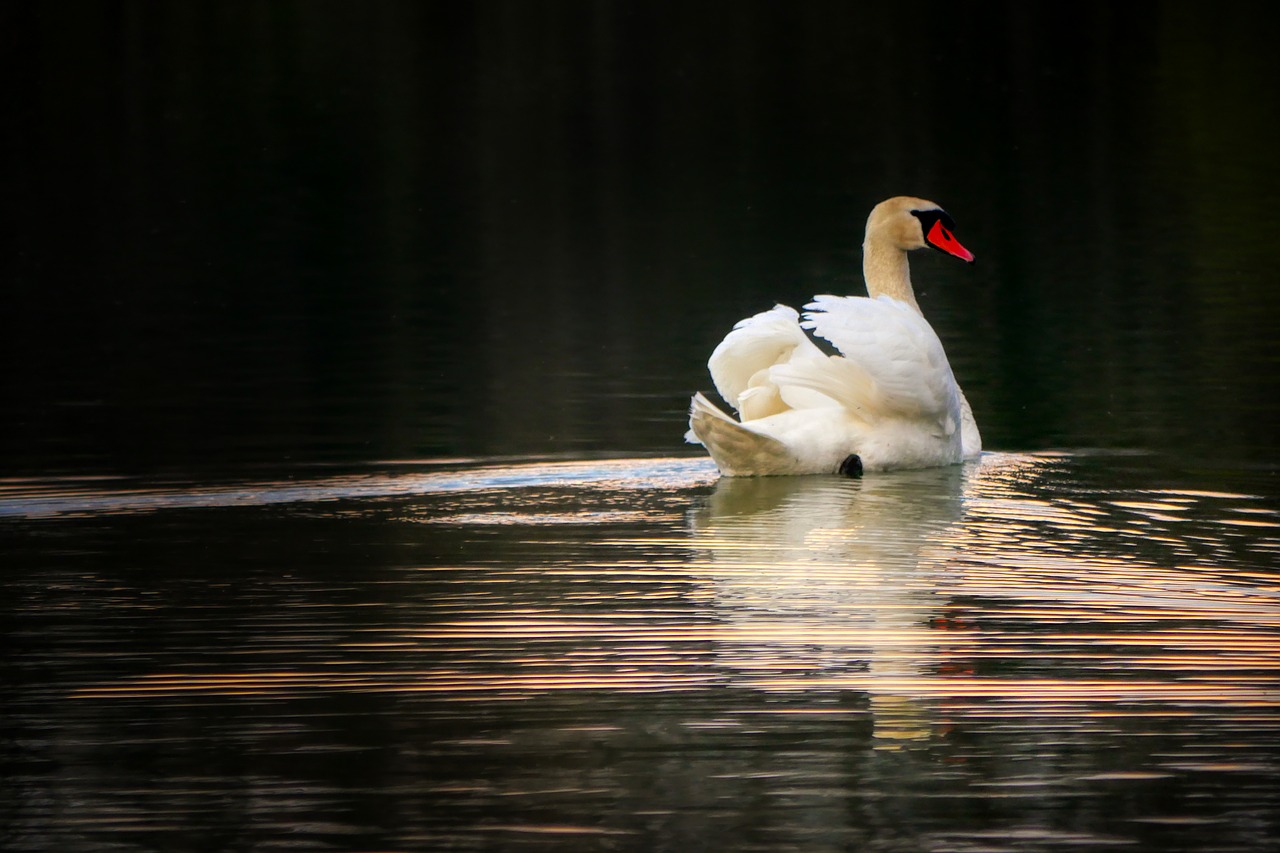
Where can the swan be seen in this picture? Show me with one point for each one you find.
(887, 400)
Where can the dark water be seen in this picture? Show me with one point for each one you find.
(1037, 652)
(346, 350)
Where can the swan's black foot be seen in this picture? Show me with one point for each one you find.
(851, 466)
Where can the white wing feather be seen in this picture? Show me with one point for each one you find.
(896, 348)
(826, 380)
(740, 365)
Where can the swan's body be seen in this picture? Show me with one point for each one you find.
(888, 400)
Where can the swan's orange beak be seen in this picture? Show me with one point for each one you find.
(940, 238)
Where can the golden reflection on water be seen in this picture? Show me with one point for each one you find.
(983, 586)
(995, 589)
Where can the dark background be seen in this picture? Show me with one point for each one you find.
(274, 234)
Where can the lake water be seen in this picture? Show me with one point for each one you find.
(1036, 651)
(343, 503)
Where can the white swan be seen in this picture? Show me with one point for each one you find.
(888, 400)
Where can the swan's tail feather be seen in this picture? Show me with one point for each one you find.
(737, 450)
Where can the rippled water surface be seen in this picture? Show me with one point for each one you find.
(1035, 652)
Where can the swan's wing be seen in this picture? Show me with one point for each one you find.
(897, 350)
(740, 364)
(827, 380)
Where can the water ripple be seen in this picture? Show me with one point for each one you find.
(562, 653)
(966, 585)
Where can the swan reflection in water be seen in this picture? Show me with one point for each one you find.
(834, 582)
(1002, 581)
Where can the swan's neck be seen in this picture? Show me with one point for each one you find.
(885, 268)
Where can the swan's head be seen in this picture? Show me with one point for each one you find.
(908, 223)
